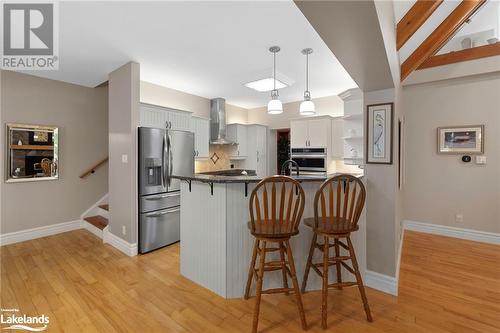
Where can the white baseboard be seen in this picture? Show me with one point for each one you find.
(384, 283)
(122, 245)
(468, 234)
(28, 234)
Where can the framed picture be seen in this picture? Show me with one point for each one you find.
(461, 139)
(379, 119)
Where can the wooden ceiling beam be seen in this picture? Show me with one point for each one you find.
(479, 52)
(438, 38)
(414, 18)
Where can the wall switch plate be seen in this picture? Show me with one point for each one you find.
(480, 159)
(459, 218)
(124, 158)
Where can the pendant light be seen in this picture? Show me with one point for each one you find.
(274, 106)
(307, 106)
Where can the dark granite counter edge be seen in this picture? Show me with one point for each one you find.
(247, 179)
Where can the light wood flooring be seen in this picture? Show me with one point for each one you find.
(446, 285)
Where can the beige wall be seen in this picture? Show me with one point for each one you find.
(175, 99)
(123, 122)
(381, 201)
(439, 186)
(82, 117)
(331, 105)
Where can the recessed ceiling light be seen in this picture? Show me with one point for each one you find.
(265, 84)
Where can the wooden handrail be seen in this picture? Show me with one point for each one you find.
(94, 167)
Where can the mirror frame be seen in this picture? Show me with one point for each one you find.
(9, 150)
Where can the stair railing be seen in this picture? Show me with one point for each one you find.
(93, 168)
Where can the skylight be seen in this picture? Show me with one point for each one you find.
(265, 84)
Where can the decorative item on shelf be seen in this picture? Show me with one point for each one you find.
(215, 158)
(466, 159)
(274, 106)
(461, 139)
(19, 143)
(379, 133)
(354, 153)
(352, 132)
(307, 106)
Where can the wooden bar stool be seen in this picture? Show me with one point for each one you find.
(276, 207)
(337, 206)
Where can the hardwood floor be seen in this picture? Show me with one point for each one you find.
(446, 285)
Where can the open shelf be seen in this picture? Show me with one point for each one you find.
(31, 147)
(355, 116)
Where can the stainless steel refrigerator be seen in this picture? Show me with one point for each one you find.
(162, 153)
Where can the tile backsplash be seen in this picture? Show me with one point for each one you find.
(223, 163)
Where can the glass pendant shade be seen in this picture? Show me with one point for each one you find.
(307, 108)
(274, 106)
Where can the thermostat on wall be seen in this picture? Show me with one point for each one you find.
(480, 159)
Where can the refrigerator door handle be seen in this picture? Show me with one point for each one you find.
(170, 160)
(164, 212)
(162, 196)
(163, 180)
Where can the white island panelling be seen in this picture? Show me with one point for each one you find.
(216, 244)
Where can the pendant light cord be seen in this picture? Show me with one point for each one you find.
(274, 70)
(307, 72)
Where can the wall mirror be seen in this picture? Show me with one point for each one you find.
(32, 153)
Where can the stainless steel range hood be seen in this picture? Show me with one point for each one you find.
(218, 122)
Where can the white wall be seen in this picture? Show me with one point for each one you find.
(440, 186)
(331, 105)
(81, 114)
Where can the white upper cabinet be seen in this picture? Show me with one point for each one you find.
(161, 117)
(318, 132)
(299, 130)
(337, 138)
(179, 120)
(201, 129)
(310, 132)
(238, 133)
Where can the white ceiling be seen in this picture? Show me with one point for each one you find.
(208, 49)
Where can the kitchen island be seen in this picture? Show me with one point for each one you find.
(216, 245)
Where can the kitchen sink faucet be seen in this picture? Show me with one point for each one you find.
(285, 164)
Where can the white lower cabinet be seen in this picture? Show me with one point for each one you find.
(201, 129)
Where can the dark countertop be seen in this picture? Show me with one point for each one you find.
(214, 178)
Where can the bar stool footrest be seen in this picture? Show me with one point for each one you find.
(342, 284)
(278, 291)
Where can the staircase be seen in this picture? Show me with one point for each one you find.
(95, 219)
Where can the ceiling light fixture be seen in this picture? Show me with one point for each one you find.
(307, 106)
(274, 106)
(265, 84)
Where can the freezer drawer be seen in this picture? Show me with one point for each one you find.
(158, 229)
(159, 201)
